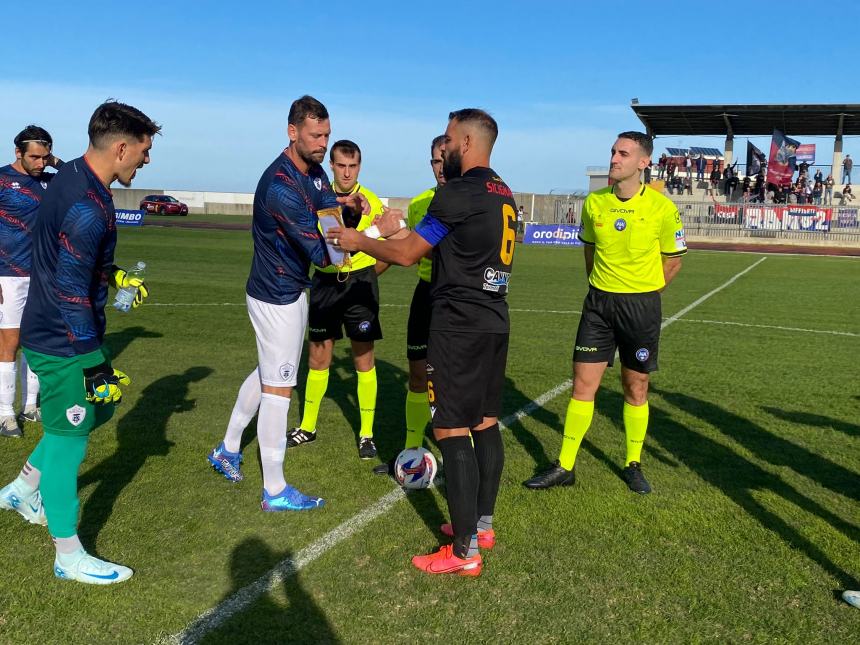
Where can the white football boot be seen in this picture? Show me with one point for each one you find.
(83, 567)
(14, 497)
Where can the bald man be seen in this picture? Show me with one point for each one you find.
(469, 231)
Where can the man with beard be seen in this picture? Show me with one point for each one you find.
(470, 227)
(22, 186)
(286, 242)
(634, 240)
(63, 327)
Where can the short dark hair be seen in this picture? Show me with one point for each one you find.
(114, 119)
(347, 147)
(437, 141)
(306, 107)
(33, 134)
(645, 142)
(477, 117)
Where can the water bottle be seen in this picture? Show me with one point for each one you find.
(125, 296)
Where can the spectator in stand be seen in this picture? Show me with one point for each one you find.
(688, 166)
(828, 190)
(671, 166)
(647, 174)
(847, 165)
(804, 170)
(816, 193)
(746, 188)
(701, 162)
(661, 166)
(770, 195)
(847, 195)
(819, 176)
(759, 187)
(688, 185)
(731, 180)
(716, 175)
(807, 192)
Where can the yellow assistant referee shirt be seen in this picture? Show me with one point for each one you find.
(629, 238)
(416, 212)
(359, 260)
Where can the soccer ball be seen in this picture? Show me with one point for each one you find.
(415, 468)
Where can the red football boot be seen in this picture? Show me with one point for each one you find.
(444, 561)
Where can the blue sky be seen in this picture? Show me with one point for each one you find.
(557, 76)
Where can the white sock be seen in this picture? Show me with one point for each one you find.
(272, 437)
(246, 406)
(29, 383)
(7, 389)
(69, 545)
(30, 476)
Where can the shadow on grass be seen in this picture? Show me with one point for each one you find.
(117, 341)
(515, 400)
(817, 420)
(738, 478)
(266, 621)
(140, 435)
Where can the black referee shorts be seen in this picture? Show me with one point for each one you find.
(352, 304)
(629, 322)
(465, 377)
(418, 327)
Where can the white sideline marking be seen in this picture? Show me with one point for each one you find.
(218, 615)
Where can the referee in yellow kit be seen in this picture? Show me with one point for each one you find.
(634, 240)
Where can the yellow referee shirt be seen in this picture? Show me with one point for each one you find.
(359, 260)
(416, 212)
(629, 238)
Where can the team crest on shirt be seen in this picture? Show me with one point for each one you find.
(620, 224)
(44, 184)
(286, 370)
(318, 183)
(76, 415)
(15, 185)
(642, 355)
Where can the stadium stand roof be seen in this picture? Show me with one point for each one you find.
(822, 119)
(695, 151)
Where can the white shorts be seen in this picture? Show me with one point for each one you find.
(280, 331)
(14, 298)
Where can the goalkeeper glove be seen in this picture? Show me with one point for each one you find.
(102, 384)
(120, 279)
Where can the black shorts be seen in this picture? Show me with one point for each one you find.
(465, 377)
(628, 321)
(352, 304)
(418, 327)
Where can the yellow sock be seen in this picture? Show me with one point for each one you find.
(367, 401)
(315, 388)
(635, 427)
(576, 424)
(417, 418)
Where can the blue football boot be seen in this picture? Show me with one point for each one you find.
(226, 463)
(289, 499)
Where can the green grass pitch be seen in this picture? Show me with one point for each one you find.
(753, 452)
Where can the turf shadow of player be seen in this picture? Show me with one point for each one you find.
(301, 621)
(117, 341)
(515, 400)
(769, 447)
(141, 434)
(740, 480)
(817, 420)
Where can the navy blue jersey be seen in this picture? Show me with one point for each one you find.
(286, 238)
(20, 195)
(73, 246)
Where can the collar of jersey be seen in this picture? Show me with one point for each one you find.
(636, 195)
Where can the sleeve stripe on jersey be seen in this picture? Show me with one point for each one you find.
(584, 241)
(432, 230)
(675, 254)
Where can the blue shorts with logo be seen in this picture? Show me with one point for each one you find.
(628, 322)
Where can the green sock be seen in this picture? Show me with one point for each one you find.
(367, 401)
(635, 427)
(576, 424)
(417, 418)
(315, 388)
(61, 457)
